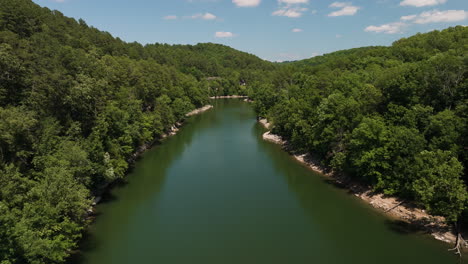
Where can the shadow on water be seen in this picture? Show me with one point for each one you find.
(403, 227)
(345, 219)
(142, 177)
(217, 193)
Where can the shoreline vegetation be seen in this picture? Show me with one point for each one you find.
(229, 97)
(392, 207)
(78, 106)
(142, 149)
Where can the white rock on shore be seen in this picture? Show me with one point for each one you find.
(268, 136)
(199, 110)
(264, 123)
(391, 206)
(228, 96)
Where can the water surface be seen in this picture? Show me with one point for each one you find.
(217, 194)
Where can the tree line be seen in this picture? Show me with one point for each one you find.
(75, 104)
(394, 117)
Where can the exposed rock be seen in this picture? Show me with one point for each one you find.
(264, 123)
(391, 206)
(199, 110)
(228, 96)
(273, 138)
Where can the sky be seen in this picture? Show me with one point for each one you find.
(275, 30)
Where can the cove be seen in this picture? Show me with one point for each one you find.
(217, 193)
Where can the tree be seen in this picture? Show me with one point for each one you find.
(437, 183)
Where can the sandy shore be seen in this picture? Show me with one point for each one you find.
(391, 206)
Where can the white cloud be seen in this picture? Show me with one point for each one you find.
(291, 8)
(339, 4)
(205, 16)
(292, 12)
(224, 34)
(338, 36)
(436, 16)
(170, 17)
(420, 3)
(346, 9)
(315, 54)
(297, 30)
(390, 28)
(246, 3)
(407, 18)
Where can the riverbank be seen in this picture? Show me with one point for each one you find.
(393, 207)
(142, 149)
(229, 97)
(199, 110)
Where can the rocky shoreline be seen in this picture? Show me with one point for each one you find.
(228, 96)
(199, 110)
(400, 210)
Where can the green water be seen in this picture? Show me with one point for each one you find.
(216, 193)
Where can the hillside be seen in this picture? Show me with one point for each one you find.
(392, 117)
(75, 104)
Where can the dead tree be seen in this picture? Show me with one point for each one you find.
(460, 243)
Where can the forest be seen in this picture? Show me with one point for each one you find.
(392, 117)
(76, 103)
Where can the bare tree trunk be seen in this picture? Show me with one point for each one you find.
(460, 242)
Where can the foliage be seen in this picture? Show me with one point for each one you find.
(393, 117)
(75, 104)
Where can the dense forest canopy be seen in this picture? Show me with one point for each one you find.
(76, 103)
(393, 117)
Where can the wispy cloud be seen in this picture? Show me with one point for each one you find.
(291, 8)
(205, 16)
(297, 30)
(290, 12)
(246, 3)
(346, 9)
(390, 28)
(421, 3)
(224, 34)
(434, 16)
(170, 17)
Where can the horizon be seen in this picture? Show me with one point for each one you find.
(276, 31)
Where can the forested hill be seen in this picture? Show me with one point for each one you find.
(75, 104)
(28, 21)
(393, 117)
(208, 60)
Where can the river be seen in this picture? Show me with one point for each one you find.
(217, 194)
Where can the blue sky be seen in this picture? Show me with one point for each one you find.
(275, 30)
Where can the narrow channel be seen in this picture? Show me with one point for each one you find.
(216, 193)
